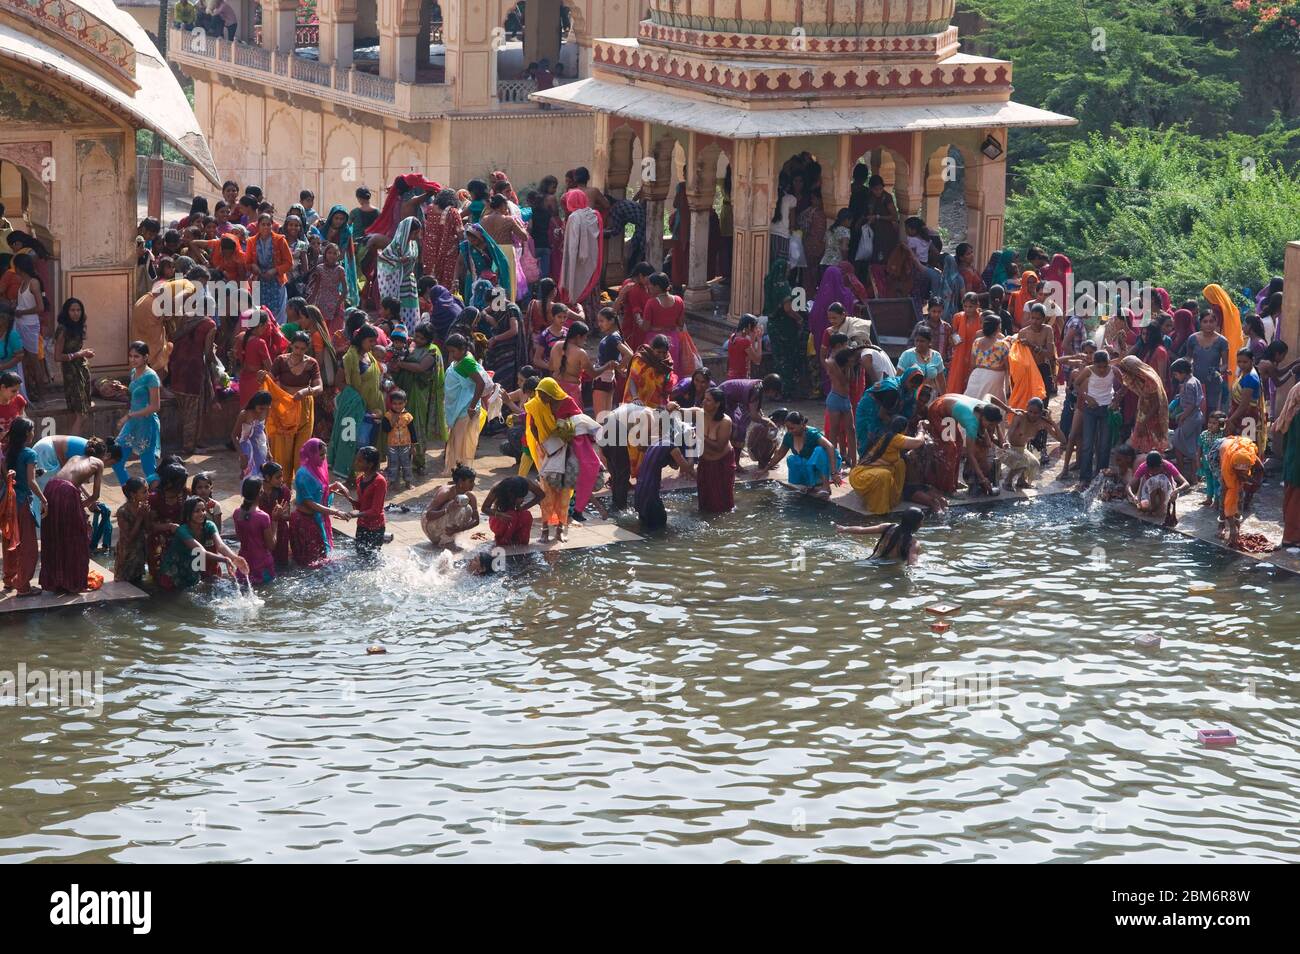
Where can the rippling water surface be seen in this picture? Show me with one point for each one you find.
(746, 688)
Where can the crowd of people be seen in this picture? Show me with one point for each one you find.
(365, 340)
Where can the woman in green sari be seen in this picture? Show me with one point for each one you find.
(395, 271)
(785, 329)
(335, 228)
(420, 374)
(359, 405)
(479, 255)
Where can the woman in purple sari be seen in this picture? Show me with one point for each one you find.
(834, 287)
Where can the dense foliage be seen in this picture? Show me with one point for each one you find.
(1162, 207)
(1182, 169)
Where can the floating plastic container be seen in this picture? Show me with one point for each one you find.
(1148, 641)
(1216, 738)
(940, 627)
(942, 609)
(1200, 588)
(376, 649)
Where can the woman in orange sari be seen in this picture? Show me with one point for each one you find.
(967, 325)
(1229, 315)
(1022, 298)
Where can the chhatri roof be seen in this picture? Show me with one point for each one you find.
(771, 68)
(717, 118)
(104, 54)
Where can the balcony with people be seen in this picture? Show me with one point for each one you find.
(399, 58)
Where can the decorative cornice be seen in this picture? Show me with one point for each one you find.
(72, 23)
(776, 79)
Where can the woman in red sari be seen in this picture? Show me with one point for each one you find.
(166, 504)
(967, 325)
(970, 275)
(443, 231)
(260, 343)
(665, 314)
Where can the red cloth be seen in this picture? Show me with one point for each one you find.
(22, 551)
(386, 224)
(268, 500)
(8, 414)
(738, 357)
(511, 528)
(370, 502)
(634, 301)
(716, 481)
(256, 357)
(65, 539)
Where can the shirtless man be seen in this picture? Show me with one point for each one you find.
(80, 471)
(1041, 339)
(452, 510)
(582, 180)
(1159, 483)
(842, 368)
(500, 224)
(1021, 466)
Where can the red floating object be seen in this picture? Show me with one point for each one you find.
(1216, 738)
(940, 627)
(942, 609)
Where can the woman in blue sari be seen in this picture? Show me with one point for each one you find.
(479, 254)
(141, 434)
(335, 228)
(311, 537)
(954, 286)
(812, 462)
(444, 309)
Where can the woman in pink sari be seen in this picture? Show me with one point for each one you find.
(583, 251)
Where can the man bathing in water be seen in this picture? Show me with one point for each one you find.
(452, 510)
(1159, 483)
(1020, 464)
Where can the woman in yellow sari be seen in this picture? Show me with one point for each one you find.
(650, 378)
(152, 315)
(1229, 316)
(548, 413)
(878, 478)
(294, 381)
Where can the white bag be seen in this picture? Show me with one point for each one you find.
(866, 244)
(795, 254)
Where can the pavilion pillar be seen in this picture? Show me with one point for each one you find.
(975, 221)
(839, 176)
(753, 190)
(655, 188)
(617, 163)
(279, 17)
(934, 184)
(399, 26)
(337, 32)
(991, 182)
(244, 31)
(697, 292)
(542, 31)
(471, 55)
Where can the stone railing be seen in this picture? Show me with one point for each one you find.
(515, 91)
(300, 75)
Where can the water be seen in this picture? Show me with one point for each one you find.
(747, 688)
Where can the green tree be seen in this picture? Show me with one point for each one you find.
(1163, 207)
(1119, 63)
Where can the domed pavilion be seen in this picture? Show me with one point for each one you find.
(738, 87)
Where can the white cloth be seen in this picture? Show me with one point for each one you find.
(984, 381)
